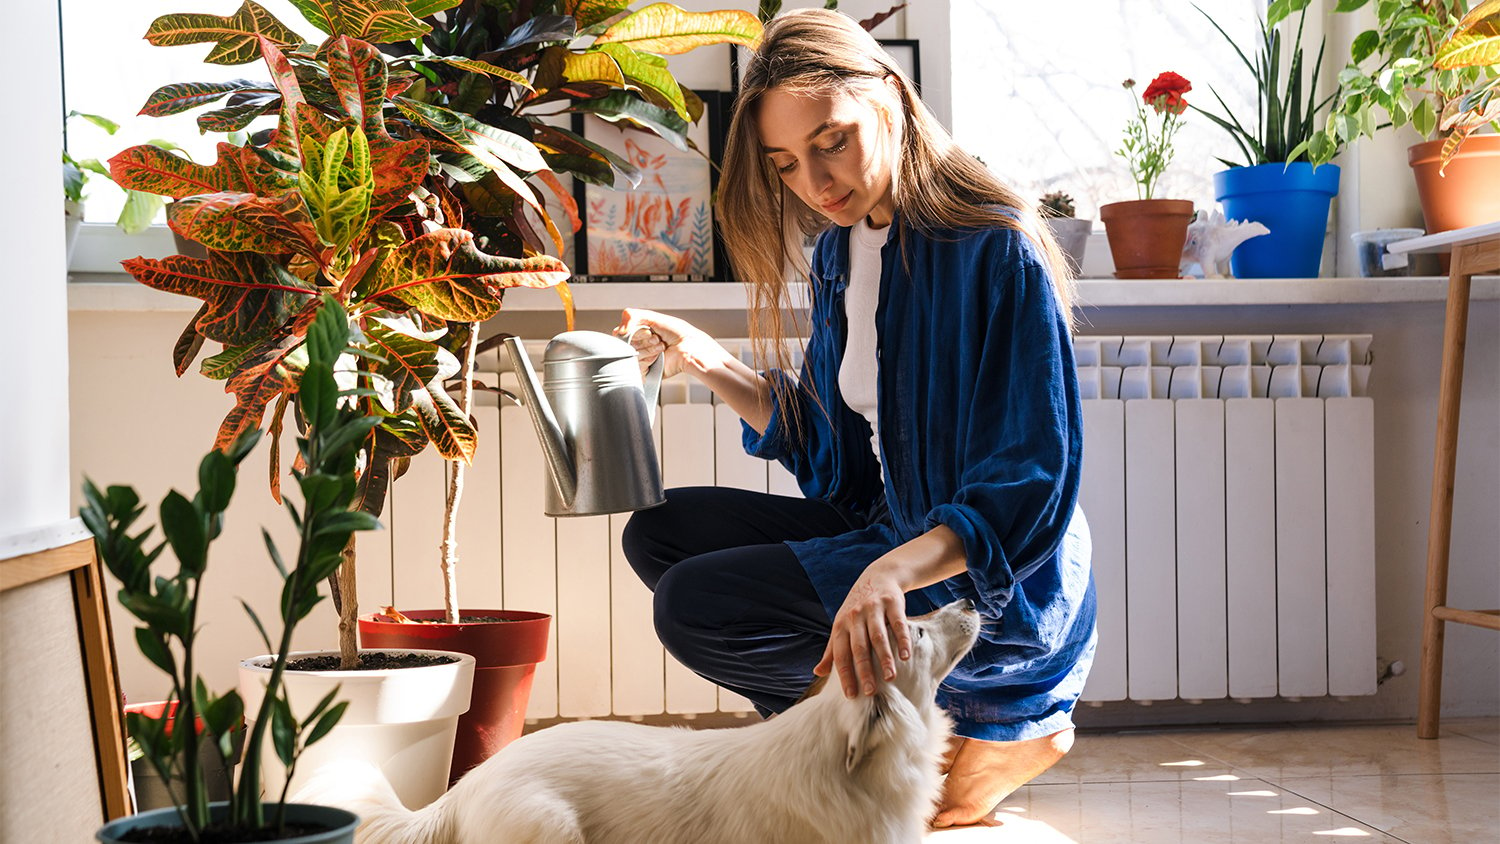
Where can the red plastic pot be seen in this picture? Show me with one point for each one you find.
(506, 654)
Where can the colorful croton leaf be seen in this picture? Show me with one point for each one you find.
(333, 207)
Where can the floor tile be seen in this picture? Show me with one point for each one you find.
(1484, 729)
(1309, 751)
(1418, 808)
(1246, 810)
(1129, 757)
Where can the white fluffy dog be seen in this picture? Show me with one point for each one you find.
(829, 769)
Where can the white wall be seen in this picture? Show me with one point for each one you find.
(34, 426)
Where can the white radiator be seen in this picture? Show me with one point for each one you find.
(1228, 483)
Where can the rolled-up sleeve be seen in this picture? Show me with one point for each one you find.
(1020, 457)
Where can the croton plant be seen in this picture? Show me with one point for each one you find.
(404, 181)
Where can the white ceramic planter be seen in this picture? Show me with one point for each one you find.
(401, 720)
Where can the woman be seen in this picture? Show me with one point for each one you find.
(934, 427)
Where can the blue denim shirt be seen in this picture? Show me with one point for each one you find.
(981, 430)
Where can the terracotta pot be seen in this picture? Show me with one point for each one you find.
(505, 654)
(1146, 236)
(1465, 195)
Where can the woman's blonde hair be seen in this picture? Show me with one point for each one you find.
(935, 185)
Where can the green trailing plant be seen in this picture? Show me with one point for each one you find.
(167, 603)
(1286, 121)
(140, 207)
(377, 187)
(1056, 204)
(1426, 63)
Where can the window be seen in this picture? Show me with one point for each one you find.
(110, 70)
(1037, 96)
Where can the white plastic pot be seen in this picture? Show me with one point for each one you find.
(402, 720)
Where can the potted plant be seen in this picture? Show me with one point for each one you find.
(1146, 234)
(167, 607)
(1272, 187)
(524, 64)
(1072, 234)
(410, 273)
(140, 207)
(1428, 64)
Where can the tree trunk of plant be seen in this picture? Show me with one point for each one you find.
(348, 610)
(456, 469)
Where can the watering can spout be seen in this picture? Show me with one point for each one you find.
(564, 474)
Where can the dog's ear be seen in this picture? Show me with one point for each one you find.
(868, 731)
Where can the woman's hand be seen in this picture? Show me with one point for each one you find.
(874, 610)
(652, 334)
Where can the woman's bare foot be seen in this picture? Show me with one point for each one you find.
(982, 773)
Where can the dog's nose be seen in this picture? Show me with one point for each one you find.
(967, 605)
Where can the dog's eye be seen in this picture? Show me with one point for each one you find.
(921, 633)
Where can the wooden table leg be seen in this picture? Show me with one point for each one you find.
(1440, 514)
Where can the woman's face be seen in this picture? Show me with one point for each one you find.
(835, 151)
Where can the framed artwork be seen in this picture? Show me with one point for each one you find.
(662, 229)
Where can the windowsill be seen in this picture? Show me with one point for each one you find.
(118, 292)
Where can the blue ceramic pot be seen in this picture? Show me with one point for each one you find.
(339, 823)
(1292, 201)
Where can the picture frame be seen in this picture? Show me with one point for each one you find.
(663, 228)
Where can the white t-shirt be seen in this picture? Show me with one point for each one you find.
(857, 372)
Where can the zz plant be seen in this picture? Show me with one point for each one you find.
(167, 604)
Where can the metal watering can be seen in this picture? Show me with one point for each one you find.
(594, 421)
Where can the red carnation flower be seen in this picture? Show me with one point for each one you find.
(1165, 93)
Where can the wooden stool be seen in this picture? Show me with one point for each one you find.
(1475, 250)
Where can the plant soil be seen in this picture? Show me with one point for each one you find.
(217, 834)
(371, 661)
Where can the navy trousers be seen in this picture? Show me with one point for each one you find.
(731, 602)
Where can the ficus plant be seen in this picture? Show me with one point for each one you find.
(1427, 63)
(166, 603)
(377, 187)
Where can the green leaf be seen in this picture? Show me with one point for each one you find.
(410, 363)
(283, 730)
(185, 96)
(235, 37)
(443, 275)
(590, 12)
(648, 75)
(666, 29)
(477, 66)
(109, 126)
(140, 210)
(152, 169)
(487, 143)
(328, 335)
(327, 722)
(347, 522)
(241, 222)
(338, 187)
(154, 648)
(216, 479)
(185, 530)
(236, 117)
(426, 8)
(1350, 5)
(1364, 44)
(1424, 117)
(224, 364)
(451, 431)
(317, 395)
(623, 105)
(377, 21)
(265, 637)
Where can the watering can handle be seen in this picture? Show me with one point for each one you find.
(653, 386)
(651, 381)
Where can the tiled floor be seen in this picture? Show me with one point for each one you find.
(1260, 785)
